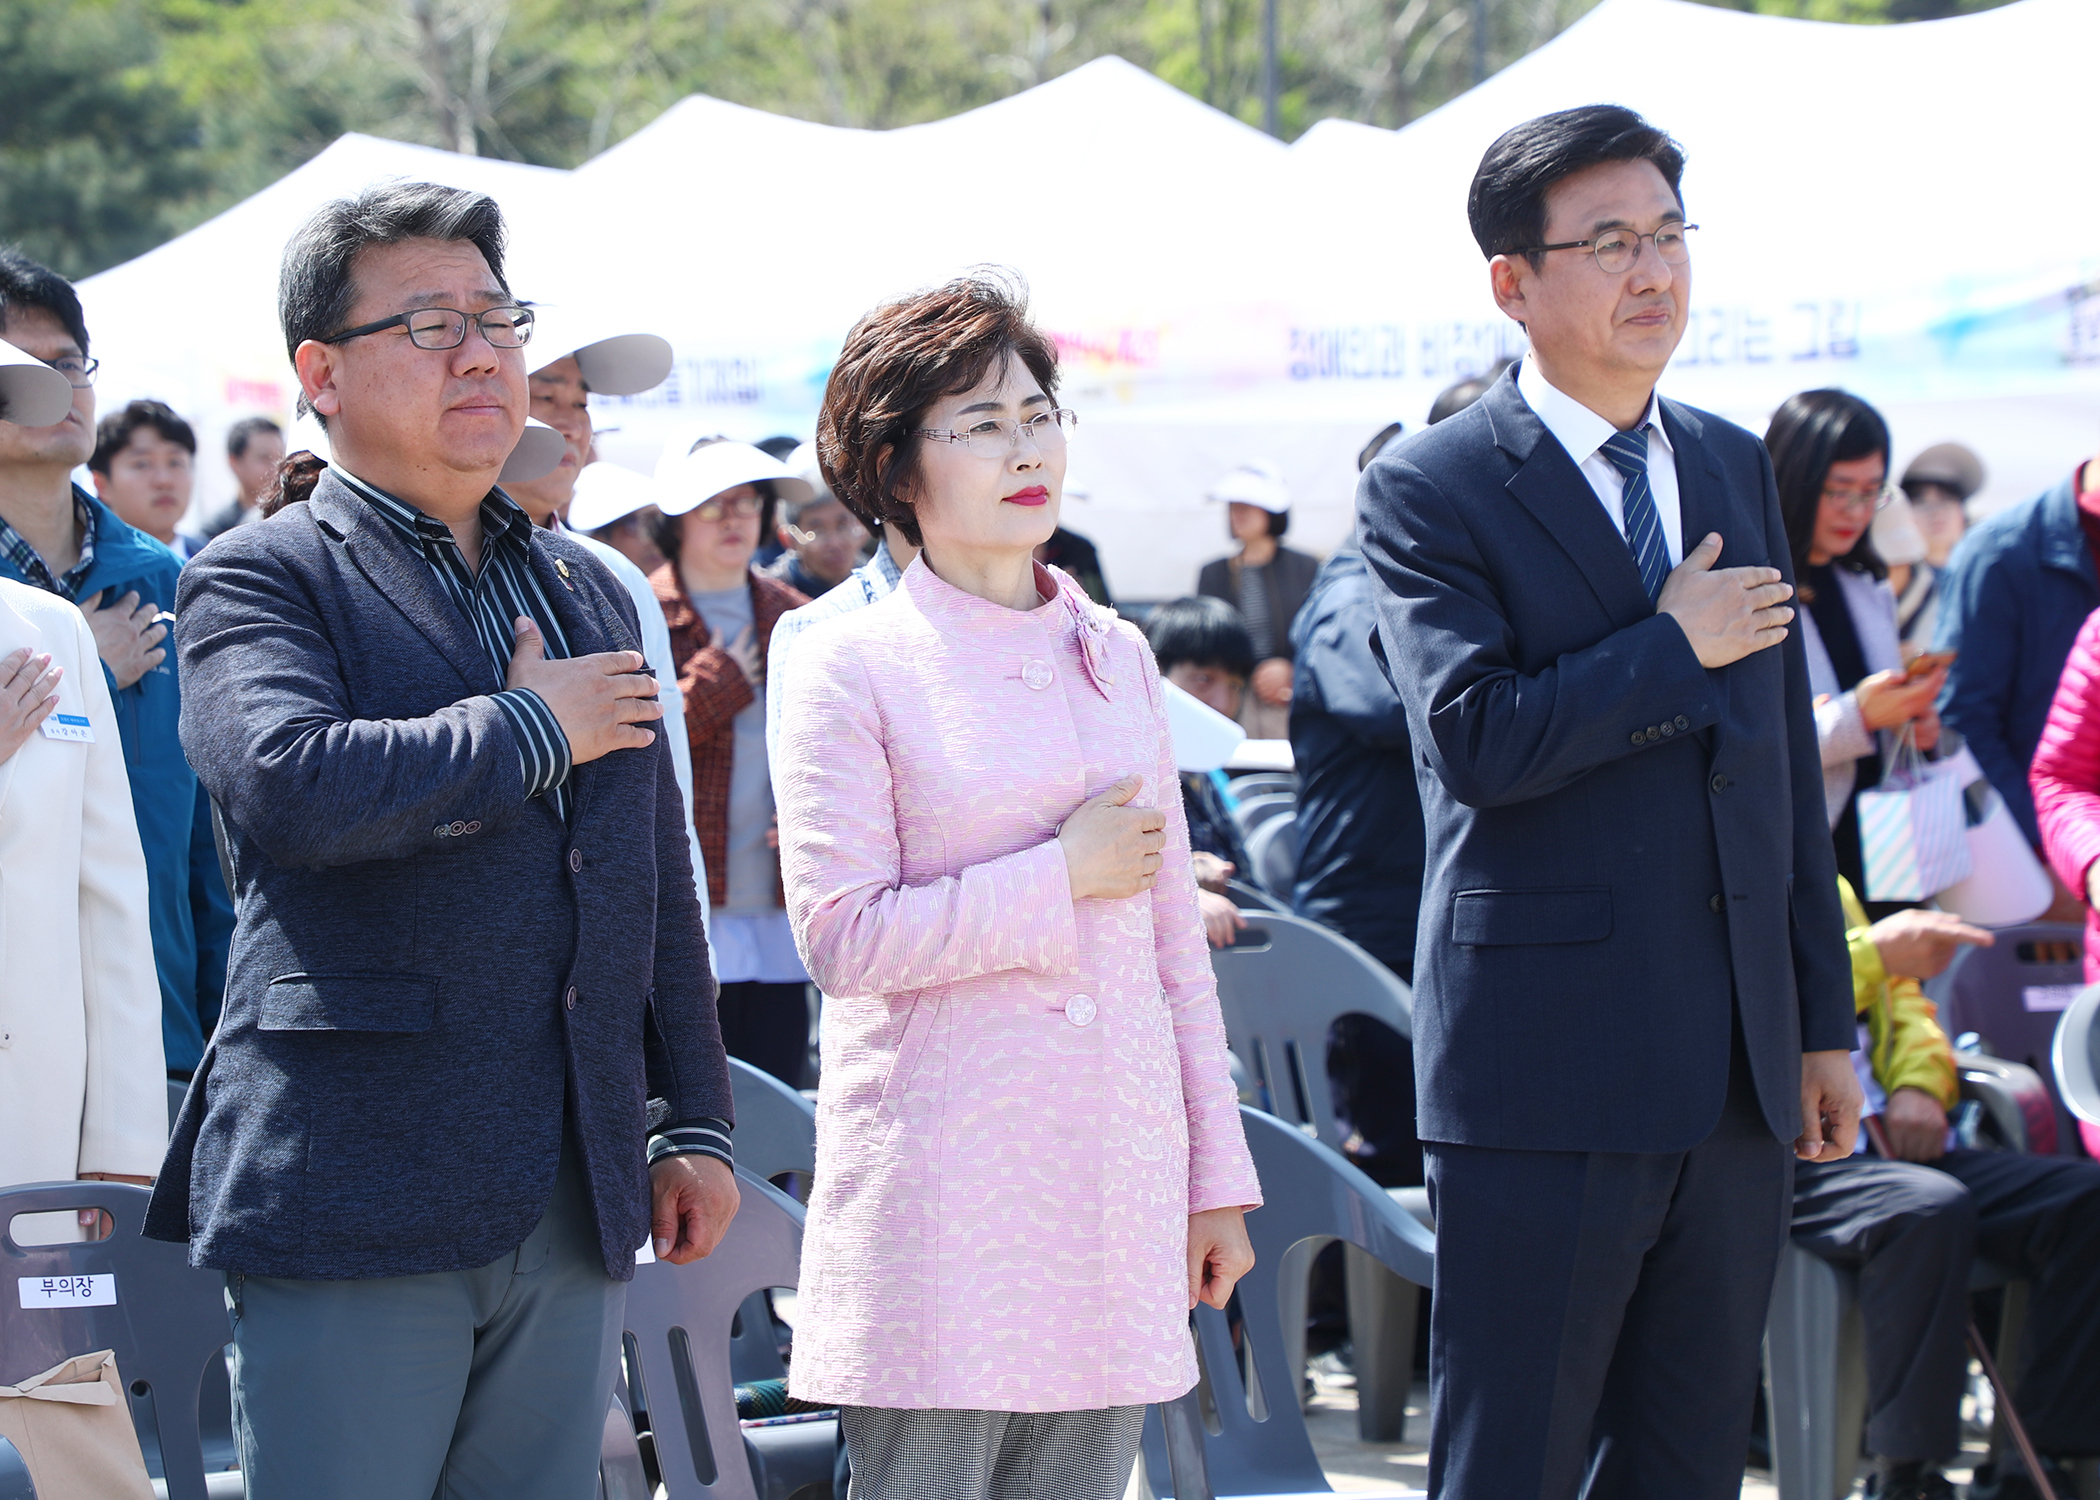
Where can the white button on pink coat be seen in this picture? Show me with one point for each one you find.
(1024, 1096)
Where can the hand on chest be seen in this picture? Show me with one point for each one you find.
(993, 747)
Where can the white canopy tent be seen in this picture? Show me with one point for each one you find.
(1886, 208)
(1898, 210)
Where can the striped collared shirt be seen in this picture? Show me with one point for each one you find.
(36, 572)
(504, 589)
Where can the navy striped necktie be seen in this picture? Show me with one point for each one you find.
(1628, 452)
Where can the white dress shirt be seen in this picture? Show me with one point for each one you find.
(1583, 433)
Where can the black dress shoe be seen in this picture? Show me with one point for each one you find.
(1923, 1484)
(2017, 1484)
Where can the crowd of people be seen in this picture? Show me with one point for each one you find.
(446, 821)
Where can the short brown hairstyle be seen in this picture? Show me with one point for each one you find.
(898, 361)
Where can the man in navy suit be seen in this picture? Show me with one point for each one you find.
(1632, 990)
(469, 1060)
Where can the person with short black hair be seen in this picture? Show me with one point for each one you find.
(1266, 582)
(469, 1061)
(143, 466)
(254, 449)
(1202, 647)
(57, 537)
(1631, 986)
(1460, 394)
(823, 539)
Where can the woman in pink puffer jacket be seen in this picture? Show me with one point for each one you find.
(2066, 782)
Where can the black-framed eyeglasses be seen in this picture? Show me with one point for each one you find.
(995, 437)
(1617, 249)
(80, 372)
(446, 327)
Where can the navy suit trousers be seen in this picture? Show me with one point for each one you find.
(1598, 1316)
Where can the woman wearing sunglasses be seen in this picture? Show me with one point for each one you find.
(1830, 457)
(1029, 1157)
(715, 499)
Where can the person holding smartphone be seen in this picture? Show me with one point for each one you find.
(1830, 456)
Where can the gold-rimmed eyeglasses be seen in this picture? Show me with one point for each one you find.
(740, 506)
(1617, 249)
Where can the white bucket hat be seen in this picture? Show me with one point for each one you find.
(539, 448)
(1255, 483)
(614, 363)
(32, 394)
(687, 481)
(608, 492)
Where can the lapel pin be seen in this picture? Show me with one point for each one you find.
(562, 567)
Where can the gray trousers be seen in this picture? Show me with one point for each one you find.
(949, 1454)
(490, 1384)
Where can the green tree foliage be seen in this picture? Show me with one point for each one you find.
(123, 121)
(99, 155)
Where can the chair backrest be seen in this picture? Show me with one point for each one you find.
(166, 1321)
(177, 1092)
(2017, 1107)
(679, 1318)
(1273, 850)
(1282, 986)
(2012, 993)
(1246, 1397)
(1258, 783)
(776, 1128)
(1252, 898)
(1255, 811)
(2075, 1056)
(15, 1483)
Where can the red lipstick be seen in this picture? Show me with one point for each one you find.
(1035, 494)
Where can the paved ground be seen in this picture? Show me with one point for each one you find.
(1352, 1464)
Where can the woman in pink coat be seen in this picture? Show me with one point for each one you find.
(1029, 1157)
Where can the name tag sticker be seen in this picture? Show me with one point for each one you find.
(74, 727)
(68, 1291)
(2042, 997)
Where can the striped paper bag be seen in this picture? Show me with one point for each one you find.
(1913, 828)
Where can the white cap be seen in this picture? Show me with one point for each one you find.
(613, 362)
(606, 492)
(32, 394)
(539, 448)
(1255, 483)
(689, 480)
(1896, 534)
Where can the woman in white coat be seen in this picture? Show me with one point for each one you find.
(1830, 459)
(83, 1081)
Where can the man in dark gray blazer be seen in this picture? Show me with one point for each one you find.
(1632, 990)
(469, 974)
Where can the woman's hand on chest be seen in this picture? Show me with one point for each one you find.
(1113, 851)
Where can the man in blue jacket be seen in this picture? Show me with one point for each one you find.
(469, 1061)
(2011, 600)
(56, 536)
